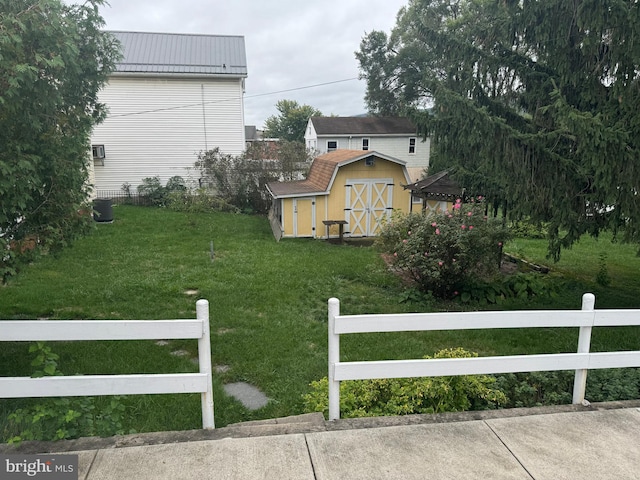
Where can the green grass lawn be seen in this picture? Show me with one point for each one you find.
(268, 307)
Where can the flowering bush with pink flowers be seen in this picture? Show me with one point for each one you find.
(444, 252)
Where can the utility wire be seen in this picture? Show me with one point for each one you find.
(177, 107)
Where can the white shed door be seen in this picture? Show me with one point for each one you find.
(368, 203)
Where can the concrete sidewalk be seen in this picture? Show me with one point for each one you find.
(574, 443)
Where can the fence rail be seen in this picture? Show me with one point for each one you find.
(581, 361)
(88, 385)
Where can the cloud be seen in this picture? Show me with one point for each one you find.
(290, 44)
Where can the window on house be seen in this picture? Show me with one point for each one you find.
(412, 145)
(369, 161)
(365, 144)
(416, 199)
(332, 145)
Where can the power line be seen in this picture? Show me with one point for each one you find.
(302, 88)
(177, 107)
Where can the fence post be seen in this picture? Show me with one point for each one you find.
(334, 357)
(584, 345)
(204, 360)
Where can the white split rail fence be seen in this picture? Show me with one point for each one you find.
(581, 361)
(93, 385)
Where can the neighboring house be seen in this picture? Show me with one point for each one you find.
(170, 97)
(253, 134)
(393, 136)
(435, 193)
(356, 188)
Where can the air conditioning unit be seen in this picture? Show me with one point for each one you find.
(97, 151)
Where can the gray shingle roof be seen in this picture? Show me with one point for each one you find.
(174, 53)
(363, 126)
(436, 185)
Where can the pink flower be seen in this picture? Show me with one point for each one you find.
(458, 200)
(463, 226)
(499, 244)
(455, 293)
(450, 216)
(437, 231)
(434, 224)
(457, 206)
(454, 260)
(470, 227)
(409, 232)
(404, 241)
(440, 263)
(479, 197)
(469, 214)
(395, 254)
(426, 254)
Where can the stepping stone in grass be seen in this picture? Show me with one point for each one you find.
(248, 395)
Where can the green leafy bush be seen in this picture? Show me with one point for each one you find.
(445, 251)
(403, 396)
(239, 180)
(532, 389)
(520, 285)
(524, 229)
(199, 201)
(152, 189)
(62, 418)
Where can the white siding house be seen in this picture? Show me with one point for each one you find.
(393, 136)
(170, 97)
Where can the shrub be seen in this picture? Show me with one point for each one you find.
(153, 191)
(525, 229)
(445, 251)
(403, 396)
(240, 181)
(520, 285)
(62, 418)
(532, 389)
(199, 201)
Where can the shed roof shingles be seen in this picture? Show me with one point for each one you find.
(145, 52)
(320, 174)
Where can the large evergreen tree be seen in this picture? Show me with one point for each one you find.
(53, 60)
(534, 103)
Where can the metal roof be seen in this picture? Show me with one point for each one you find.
(173, 53)
(363, 126)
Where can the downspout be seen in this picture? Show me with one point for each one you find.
(204, 118)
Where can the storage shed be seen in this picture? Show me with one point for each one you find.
(346, 190)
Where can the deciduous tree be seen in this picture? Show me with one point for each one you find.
(54, 58)
(291, 122)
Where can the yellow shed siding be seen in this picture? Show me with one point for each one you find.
(287, 216)
(358, 170)
(332, 206)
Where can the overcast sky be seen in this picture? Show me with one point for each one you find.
(290, 44)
